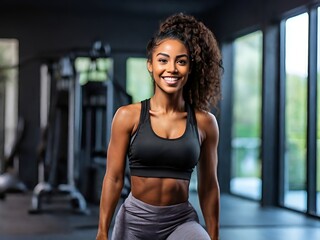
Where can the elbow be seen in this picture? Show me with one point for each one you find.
(115, 183)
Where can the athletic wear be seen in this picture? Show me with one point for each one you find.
(153, 156)
(137, 220)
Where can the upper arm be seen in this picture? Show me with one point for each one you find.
(123, 123)
(207, 167)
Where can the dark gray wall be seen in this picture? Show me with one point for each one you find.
(234, 18)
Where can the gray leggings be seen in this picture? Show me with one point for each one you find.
(137, 220)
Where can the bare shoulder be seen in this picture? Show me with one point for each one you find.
(128, 116)
(205, 118)
(129, 110)
(207, 124)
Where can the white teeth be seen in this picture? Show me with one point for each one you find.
(171, 79)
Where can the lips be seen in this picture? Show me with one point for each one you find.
(170, 80)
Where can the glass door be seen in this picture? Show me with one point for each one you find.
(246, 127)
(296, 80)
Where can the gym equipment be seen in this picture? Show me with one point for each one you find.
(9, 181)
(95, 133)
(56, 167)
(72, 152)
(96, 101)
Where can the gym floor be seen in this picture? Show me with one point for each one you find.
(240, 219)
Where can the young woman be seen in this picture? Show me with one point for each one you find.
(165, 137)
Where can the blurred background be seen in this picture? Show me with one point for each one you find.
(66, 66)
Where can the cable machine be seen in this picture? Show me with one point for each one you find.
(77, 129)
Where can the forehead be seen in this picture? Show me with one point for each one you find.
(171, 46)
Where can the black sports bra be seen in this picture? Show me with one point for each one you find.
(153, 156)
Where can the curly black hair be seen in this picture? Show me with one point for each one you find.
(203, 89)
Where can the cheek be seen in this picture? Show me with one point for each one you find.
(158, 69)
(185, 71)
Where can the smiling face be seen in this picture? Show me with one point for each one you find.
(170, 66)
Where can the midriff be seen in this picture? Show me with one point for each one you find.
(160, 191)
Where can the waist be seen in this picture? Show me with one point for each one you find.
(160, 191)
(162, 216)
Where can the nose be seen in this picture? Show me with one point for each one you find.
(172, 68)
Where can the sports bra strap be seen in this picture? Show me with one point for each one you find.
(144, 110)
(193, 120)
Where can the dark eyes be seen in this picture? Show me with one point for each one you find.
(180, 61)
(161, 60)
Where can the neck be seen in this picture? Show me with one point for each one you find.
(174, 103)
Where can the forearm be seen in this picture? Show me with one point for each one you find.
(110, 195)
(210, 206)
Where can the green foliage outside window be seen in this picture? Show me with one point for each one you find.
(296, 131)
(247, 106)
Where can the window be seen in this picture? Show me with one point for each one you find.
(8, 94)
(93, 70)
(246, 128)
(296, 73)
(139, 82)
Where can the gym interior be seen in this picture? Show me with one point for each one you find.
(66, 66)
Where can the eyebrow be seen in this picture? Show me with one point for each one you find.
(178, 56)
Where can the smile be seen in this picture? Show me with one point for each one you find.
(171, 80)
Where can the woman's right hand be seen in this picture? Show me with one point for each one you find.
(101, 236)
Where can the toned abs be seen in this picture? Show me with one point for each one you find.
(160, 191)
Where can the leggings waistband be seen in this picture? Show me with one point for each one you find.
(132, 201)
